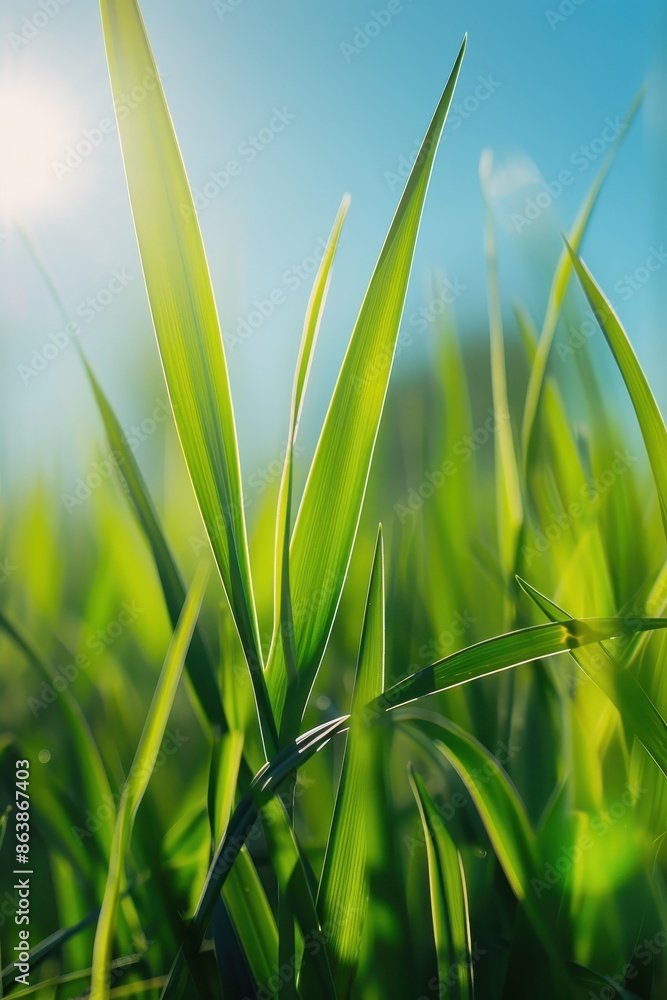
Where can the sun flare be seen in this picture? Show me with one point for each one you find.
(34, 129)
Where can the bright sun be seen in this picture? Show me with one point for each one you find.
(34, 130)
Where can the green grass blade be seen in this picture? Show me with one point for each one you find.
(506, 651)
(558, 290)
(137, 783)
(343, 892)
(252, 917)
(501, 810)
(338, 477)
(649, 416)
(185, 319)
(509, 507)
(621, 687)
(449, 898)
(199, 663)
(283, 622)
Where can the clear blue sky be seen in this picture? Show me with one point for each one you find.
(329, 106)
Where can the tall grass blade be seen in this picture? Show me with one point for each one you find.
(185, 319)
(338, 477)
(283, 619)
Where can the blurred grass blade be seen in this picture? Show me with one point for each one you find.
(343, 892)
(649, 416)
(449, 898)
(558, 290)
(283, 624)
(185, 319)
(138, 779)
(336, 484)
(199, 662)
(509, 507)
(621, 687)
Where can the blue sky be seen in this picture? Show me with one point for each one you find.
(312, 100)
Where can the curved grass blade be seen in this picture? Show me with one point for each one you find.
(449, 898)
(199, 663)
(342, 898)
(650, 419)
(621, 687)
(336, 484)
(185, 320)
(137, 782)
(283, 621)
(557, 293)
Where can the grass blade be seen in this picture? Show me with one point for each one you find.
(185, 319)
(283, 620)
(338, 477)
(137, 783)
(199, 662)
(449, 898)
(649, 416)
(343, 892)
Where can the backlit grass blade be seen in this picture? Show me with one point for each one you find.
(621, 687)
(283, 623)
(252, 917)
(137, 783)
(449, 898)
(343, 893)
(649, 416)
(199, 663)
(185, 318)
(330, 508)
(558, 290)
(509, 507)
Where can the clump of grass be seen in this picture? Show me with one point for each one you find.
(541, 857)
